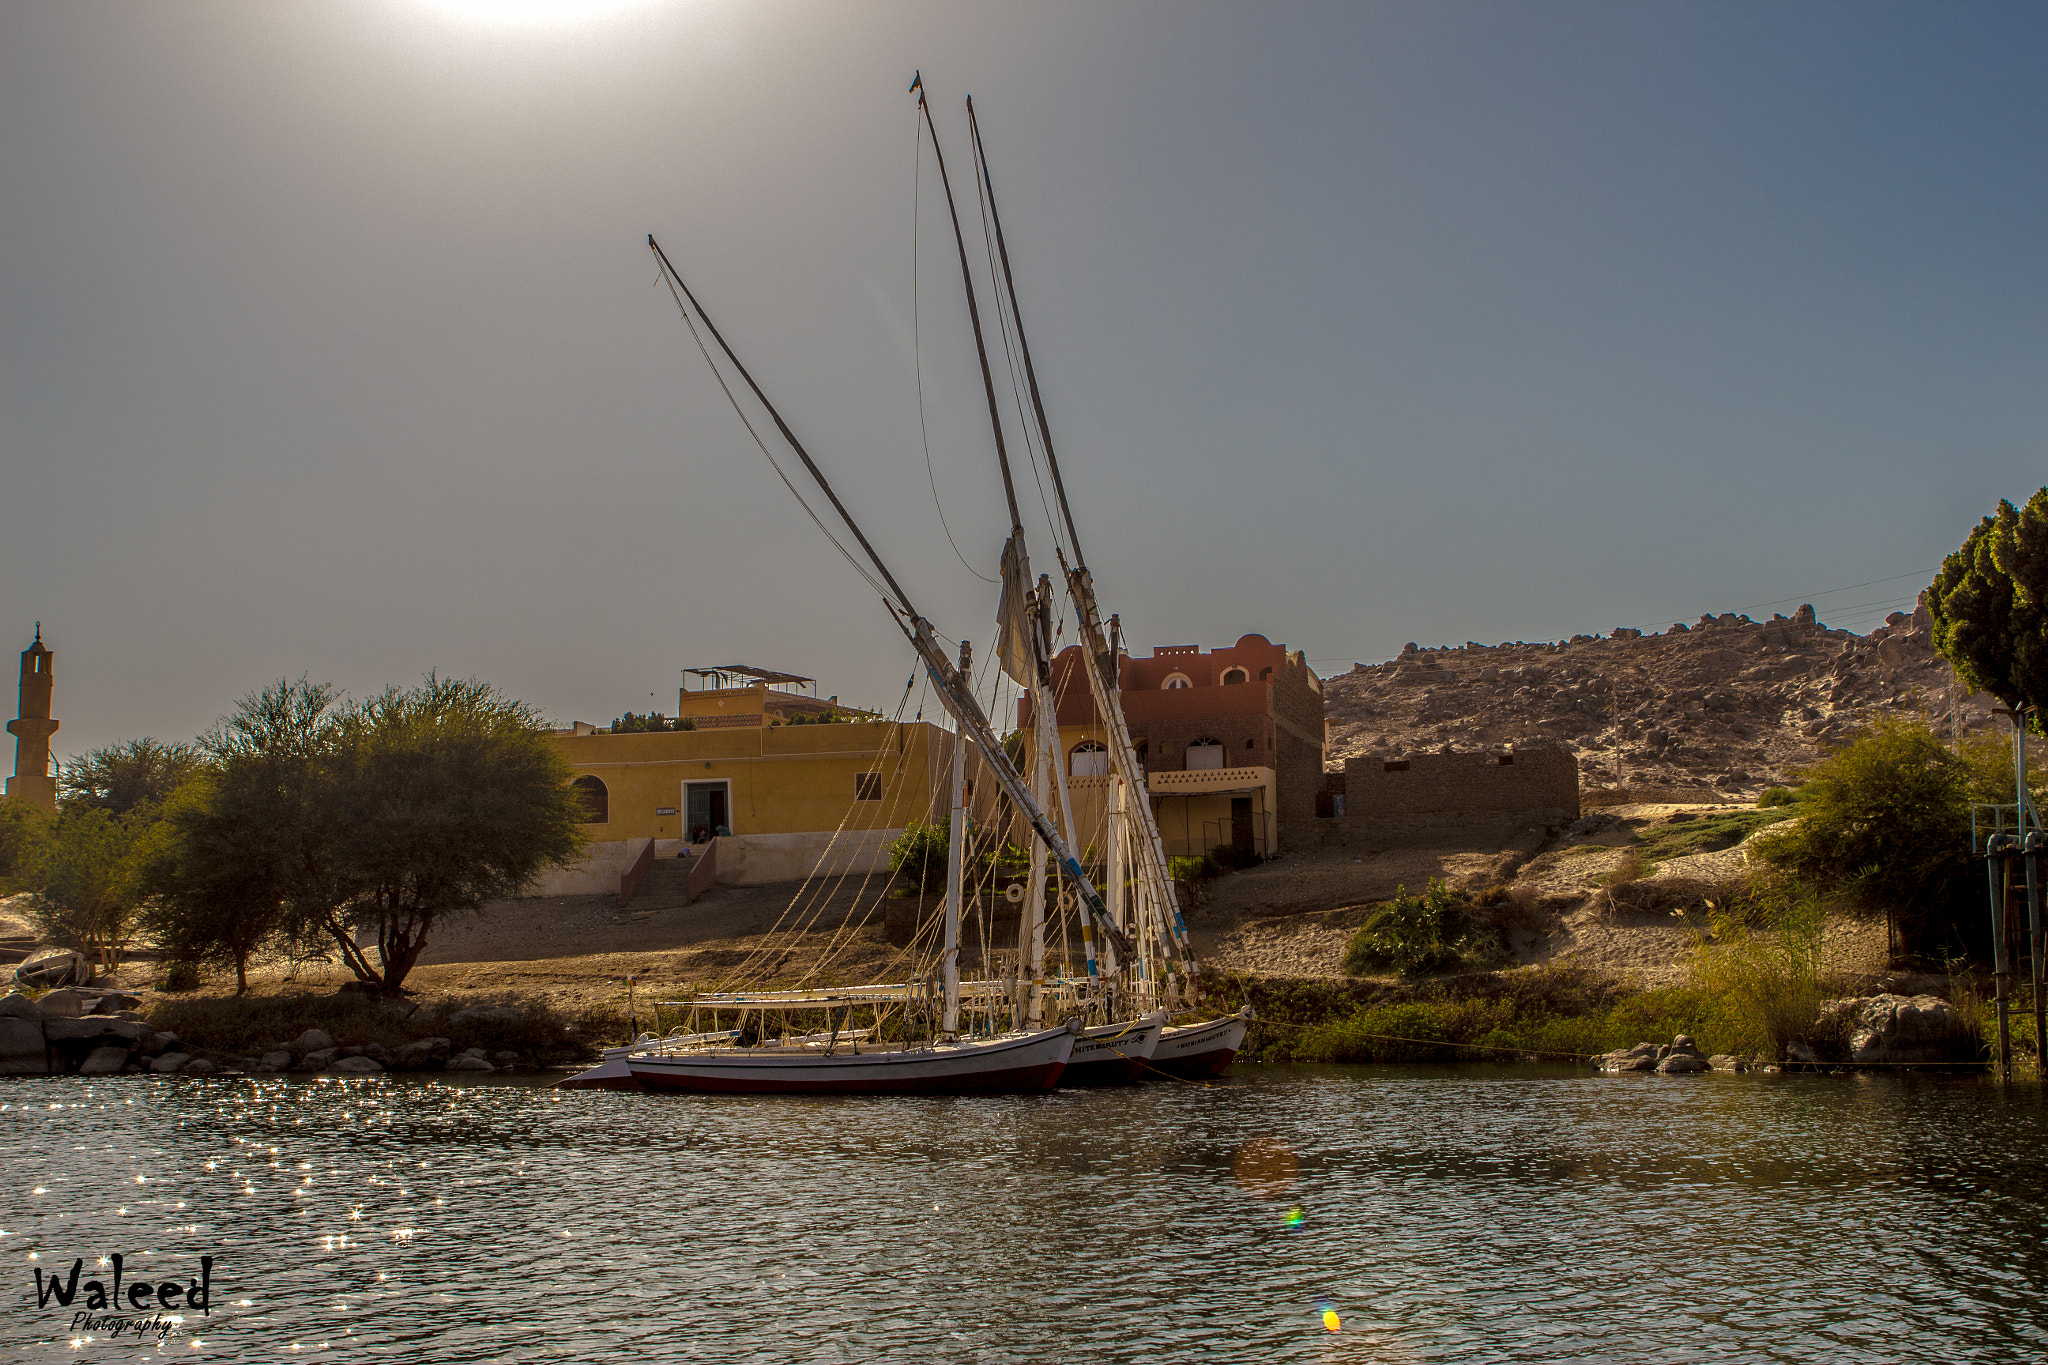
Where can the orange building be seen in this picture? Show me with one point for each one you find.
(1231, 740)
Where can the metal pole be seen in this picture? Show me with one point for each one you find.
(1993, 870)
(956, 857)
(2034, 955)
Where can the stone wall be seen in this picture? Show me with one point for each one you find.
(1432, 798)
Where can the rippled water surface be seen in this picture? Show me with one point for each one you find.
(1467, 1215)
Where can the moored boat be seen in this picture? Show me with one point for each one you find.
(1193, 1051)
(1114, 1054)
(1016, 1064)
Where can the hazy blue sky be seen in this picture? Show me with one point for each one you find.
(330, 344)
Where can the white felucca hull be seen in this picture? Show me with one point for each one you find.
(1192, 1051)
(998, 1066)
(1114, 1054)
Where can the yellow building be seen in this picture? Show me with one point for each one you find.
(762, 769)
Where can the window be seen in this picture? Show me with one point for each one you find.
(1144, 763)
(1507, 760)
(596, 799)
(867, 786)
(1395, 765)
(1175, 682)
(1205, 754)
(1265, 673)
(1233, 676)
(1088, 759)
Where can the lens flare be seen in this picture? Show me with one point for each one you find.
(1295, 1218)
(1328, 1312)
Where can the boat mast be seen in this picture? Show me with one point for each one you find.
(956, 857)
(954, 688)
(1039, 671)
(1102, 655)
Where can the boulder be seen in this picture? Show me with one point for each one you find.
(1684, 1043)
(1800, 1054)
(95, 1026)
(319, 1059)
(1641, 1057)
(69, 1003)
(22, 1049)
(313, 1040)
(61, 968)
(154, 1043)
(15, 1005)
(503, 1055)
(1723, 1061)
(1904, 1029)
(419, 1054)
(113, 1002)
(279, 1060)
(466, 1062)
(199, 1066)
(358, 1066)
(170, 1062)
(1682, 1064)
(103, 1061)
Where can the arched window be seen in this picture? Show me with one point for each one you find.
(1174, 682)
(1088, 759)
(1233, 676)
(1144, 763)
(1205, 753)
(596, 800)
(1265, 672)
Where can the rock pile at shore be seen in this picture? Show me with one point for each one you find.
(1723, 708)
(91, 1031)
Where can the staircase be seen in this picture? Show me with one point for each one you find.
(664, 886)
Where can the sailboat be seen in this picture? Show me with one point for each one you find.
(1161, 975)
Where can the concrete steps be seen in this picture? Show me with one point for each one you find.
(665, 887)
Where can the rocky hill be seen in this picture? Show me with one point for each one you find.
(1728, 707)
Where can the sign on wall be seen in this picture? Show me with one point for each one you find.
(664, 810)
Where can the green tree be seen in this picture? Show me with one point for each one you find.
(121, 778)
(82, 874)
(1990, 606)
(21, 829)
(1886, 820)
(244, 850)
(439, 800)
(920, 853)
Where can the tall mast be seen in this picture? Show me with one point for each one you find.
(1102, 661)
(956, 858)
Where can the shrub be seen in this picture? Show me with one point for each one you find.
(178, 977)
(1189, 871)
(1886, 820)
(919, 853)
(1764, 970)
(1439, 931)
(1777, 796)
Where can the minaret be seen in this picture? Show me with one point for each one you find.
(32, 781)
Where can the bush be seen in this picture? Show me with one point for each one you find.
(1439, 931)
(919, 854)
(1777, 796)
(1764, 970)
(178, 978)
(1886, 820)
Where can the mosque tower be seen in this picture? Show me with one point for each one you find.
(32, 781)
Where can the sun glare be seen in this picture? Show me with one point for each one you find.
(510, 12)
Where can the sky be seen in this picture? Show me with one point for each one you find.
(331, 346)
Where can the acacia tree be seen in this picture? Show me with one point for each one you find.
(121, 778)
(82, 872)
(437, 801)
(247, 841)
(1990, 606)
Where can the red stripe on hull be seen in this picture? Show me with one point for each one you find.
(1016, 1080)
(1200, 1065)
(1111, 1071)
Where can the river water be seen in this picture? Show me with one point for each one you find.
(1471, 1214)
